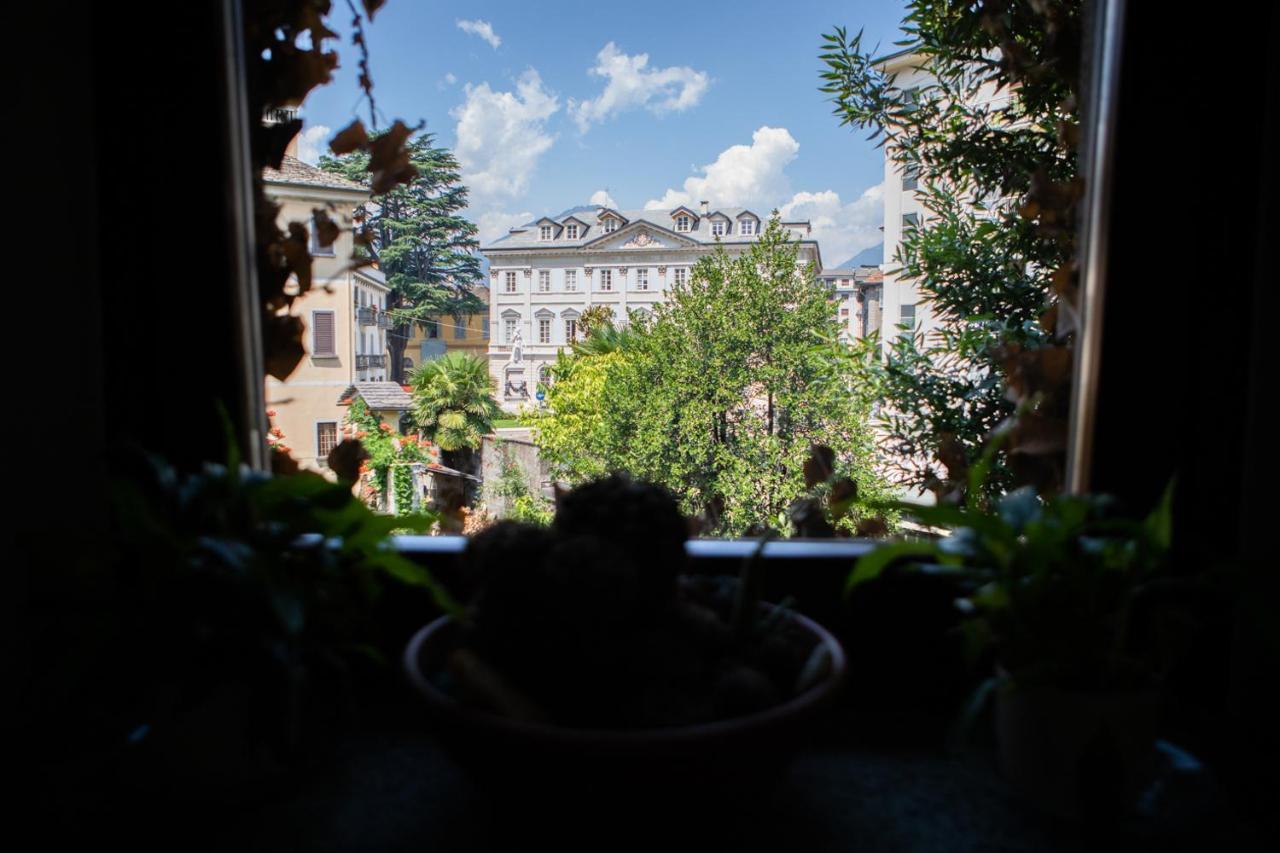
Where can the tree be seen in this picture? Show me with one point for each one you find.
(453, 404)
(593, 318)
(994, 256)
(720, 395)
(424, 247)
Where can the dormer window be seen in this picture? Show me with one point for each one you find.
(747, 227)
(683, 223)
(717, 228)
(610, 225)
(571, 231)
(544, 232)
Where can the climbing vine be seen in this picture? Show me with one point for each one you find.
(403, 485)
(388, 452)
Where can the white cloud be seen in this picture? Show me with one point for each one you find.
(446, 81)
(602, 197)
(743, 175)
(312, 142)
(842, 230)
(501, 136)
(754, 176)
(492, 224)
(483, 29)
(633, 85)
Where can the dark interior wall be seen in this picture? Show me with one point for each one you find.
(164, 250)
(1193, 261)
(1186, 378)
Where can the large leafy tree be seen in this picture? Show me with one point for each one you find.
(426, 249)
(994, 254)
(453, 404)
(719, 396)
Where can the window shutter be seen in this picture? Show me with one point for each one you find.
(322, 333)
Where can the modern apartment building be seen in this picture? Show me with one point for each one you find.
(903, 303)
(544, 274)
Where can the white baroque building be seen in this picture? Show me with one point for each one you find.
(544, 274)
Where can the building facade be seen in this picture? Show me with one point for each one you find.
(446, 333)
(543, 275)
(343, 315)
(857, 295)
(903, 303)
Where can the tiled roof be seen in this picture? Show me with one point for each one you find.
(526, 236)
(294, 171)
(379, 396)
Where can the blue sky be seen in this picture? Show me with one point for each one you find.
(551, 105)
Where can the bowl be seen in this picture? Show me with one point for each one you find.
(548, 770)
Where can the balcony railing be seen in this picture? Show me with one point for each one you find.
(385, 321)
(365, 316)
(365, 362)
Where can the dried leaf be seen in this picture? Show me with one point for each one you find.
(350, 138)
(820, 465)
(297, 254)
(327, 230)
(371, 7)
(953, 457)
(841, 498)
(282, 345)
(873, 528)
(1036, 435)
(282, 464)
(346, 458)
(389, 164)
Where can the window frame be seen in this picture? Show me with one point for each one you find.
(316, 352)
(322, 458)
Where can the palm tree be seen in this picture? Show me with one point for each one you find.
(606, 338)
(453, 403)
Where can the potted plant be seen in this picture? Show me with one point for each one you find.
(247, 620)
(1058, 604)
(590, 676)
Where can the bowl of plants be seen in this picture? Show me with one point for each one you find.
(589, 673)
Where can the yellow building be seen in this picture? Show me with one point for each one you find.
(343, 314)
(450, 334)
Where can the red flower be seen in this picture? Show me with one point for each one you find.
(384, 427)
(271, 413)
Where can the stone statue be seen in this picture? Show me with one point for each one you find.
(517, 348)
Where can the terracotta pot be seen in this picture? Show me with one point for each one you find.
(548, 770)
(1075, 754)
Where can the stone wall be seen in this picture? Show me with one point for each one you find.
(524, 454)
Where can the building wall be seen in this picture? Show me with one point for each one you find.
(529, 303)
(494, 454)
(310, 395)
(900, 202)
(474, 338)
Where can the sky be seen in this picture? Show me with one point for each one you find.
(552, 105)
